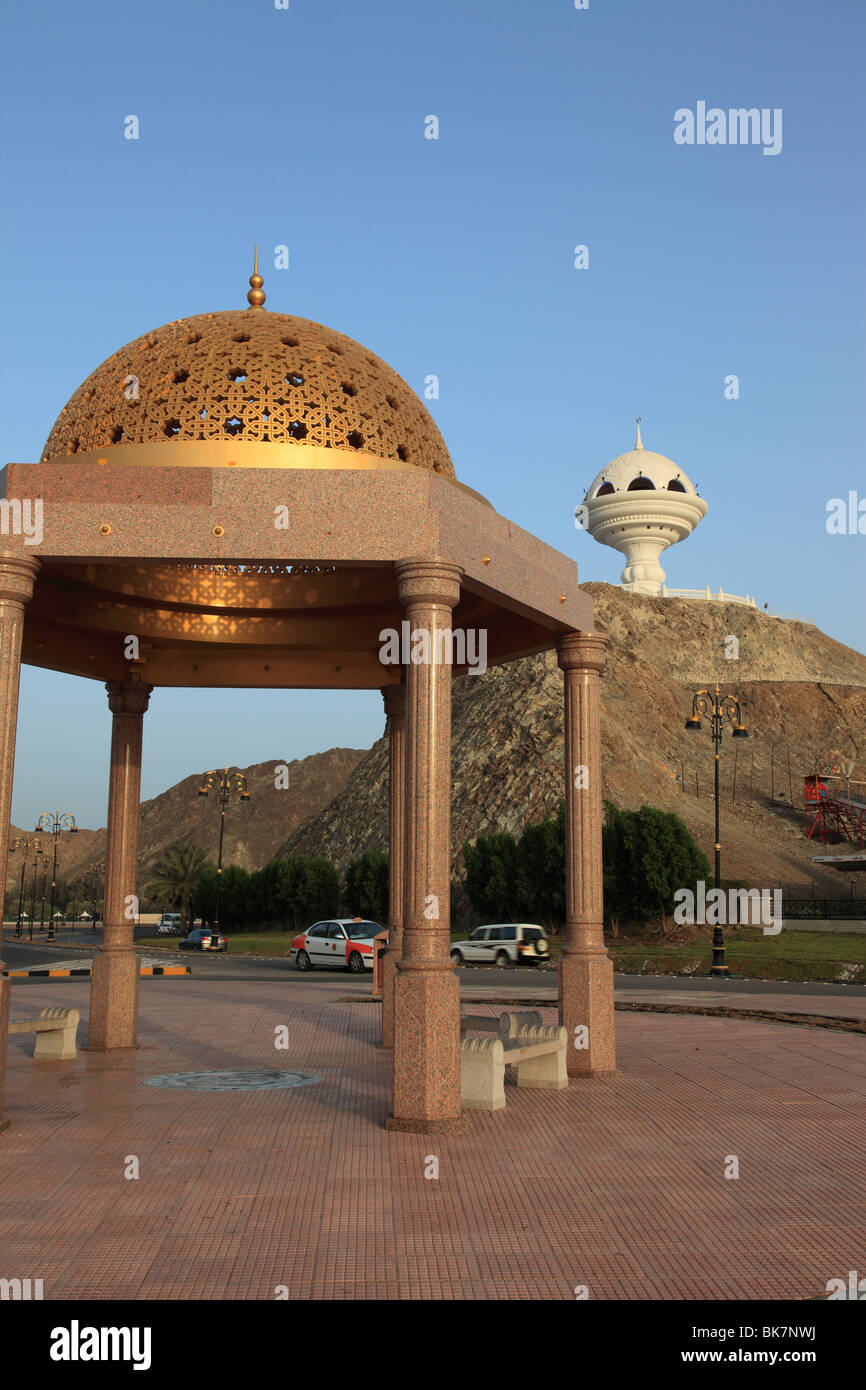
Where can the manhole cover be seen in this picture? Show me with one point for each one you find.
(233, 1080)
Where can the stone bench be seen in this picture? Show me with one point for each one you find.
(500, 1024)
(536, 1049)
(55, 1031)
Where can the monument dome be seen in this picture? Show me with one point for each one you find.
(248, 388)
(640, 504)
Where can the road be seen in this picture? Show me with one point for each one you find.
(483, 979)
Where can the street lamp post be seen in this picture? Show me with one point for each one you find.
(97, 871)
(37, 859)
(55, 822)
(25, 843)
(227, 783)
(42, 895)
(720, 708)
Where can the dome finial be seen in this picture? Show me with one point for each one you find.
(256, 295)
(638, 444)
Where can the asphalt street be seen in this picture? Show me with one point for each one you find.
(20, 955)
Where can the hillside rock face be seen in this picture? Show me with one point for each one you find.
(802, 694)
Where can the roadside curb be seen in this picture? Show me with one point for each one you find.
(834, 1022)
(44, 973)
(48, 945)
(830, 1021)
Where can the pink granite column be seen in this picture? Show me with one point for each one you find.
(18, 570)
(426, 989)
(585, 969)
(395, 709)
(114, 987)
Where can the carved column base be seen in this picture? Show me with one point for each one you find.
(586, 1001)
(426, 1052)
(114, 999)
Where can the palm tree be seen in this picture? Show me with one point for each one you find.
(176, 875)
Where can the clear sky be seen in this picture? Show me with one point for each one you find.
(455, 257)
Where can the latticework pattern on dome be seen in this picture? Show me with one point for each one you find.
(254, 376)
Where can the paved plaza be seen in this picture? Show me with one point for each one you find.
(616, 1184)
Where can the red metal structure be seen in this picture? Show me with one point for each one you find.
(831, 814)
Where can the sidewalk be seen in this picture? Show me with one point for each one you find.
(618, 1185)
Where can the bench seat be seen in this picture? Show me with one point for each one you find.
(537, 1051)
(55, 1031)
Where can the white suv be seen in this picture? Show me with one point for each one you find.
(516, 943)
(169, 924)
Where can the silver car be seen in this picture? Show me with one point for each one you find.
(511, 943)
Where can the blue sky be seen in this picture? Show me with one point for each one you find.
(454, 256)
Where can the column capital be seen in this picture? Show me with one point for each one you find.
(428, 580)
(582, 651)
(18, 571)
(394, 699)
(128, 697)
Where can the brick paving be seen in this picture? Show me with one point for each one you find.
(617, 1185)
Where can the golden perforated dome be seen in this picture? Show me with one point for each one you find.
(249, 377)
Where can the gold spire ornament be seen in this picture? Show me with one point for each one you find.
(255, 294)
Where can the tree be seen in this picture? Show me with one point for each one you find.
(648, 855)
(540, 877)
(313, 891)
(203, 900)
(365, 886)
(176, 875)
(269, 895)
(510, 880)
(491, 873)
(236, 908)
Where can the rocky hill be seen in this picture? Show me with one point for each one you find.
(802, 693)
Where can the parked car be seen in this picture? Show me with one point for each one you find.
(344, 943)
(203, 939)
(169, 924)
(517, 943)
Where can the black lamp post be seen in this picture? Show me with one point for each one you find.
(97, 872)
(719, 707)
(24, 843)
(55, 822)
(37, 859)
(227, 783)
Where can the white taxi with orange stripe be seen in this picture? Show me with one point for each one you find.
(343, 943)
